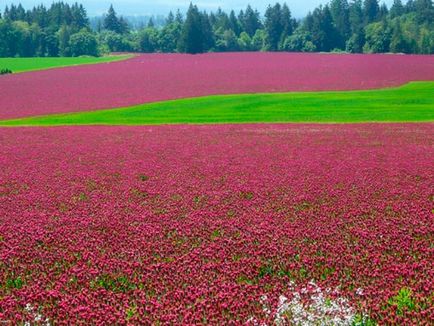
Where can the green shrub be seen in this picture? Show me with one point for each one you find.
(5, 71)
(403, 301)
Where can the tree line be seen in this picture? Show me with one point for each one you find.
(358, 26)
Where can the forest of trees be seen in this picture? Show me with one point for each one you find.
(358, 26)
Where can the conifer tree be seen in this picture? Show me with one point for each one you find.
(192, 37)
(371, 11)
(111, 21)
(273, 26)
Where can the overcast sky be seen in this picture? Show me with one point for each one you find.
(145, 7)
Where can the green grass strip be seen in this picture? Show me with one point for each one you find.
(31, 64)
(413, 102)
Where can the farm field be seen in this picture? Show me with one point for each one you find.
(159, 77)
(214, 223)
(32, 64)
(412, 102)
(230, 188)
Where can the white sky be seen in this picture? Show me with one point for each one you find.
(299, 8)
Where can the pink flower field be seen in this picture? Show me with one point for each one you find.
(210, 224)
(157, 77)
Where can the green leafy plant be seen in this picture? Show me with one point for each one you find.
(16, 283)
(403, 301)
(5, 71)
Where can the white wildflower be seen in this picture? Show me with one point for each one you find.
(320, 309)
(37, 317)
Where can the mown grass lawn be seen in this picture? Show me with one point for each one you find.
(31, 64)
(413, 102)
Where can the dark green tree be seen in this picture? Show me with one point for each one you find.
(340, 11)
(170, 18)
(79, 17)
(20, 13)
(398, 42)
(288, 23)
(320, 25)
(178, 17)
(234, 24)
(148, 40)
(378, 37)
(245, 42)
(192, 36)
(300, 41)
(427, 42)
(356, 42)
(409, 6)
(7, 39)
(111, 21)
(15, 13)
(124, 28)
(151, 23)
(356, 18)
(64, 34)
(83, 43)
(424, 11)
(371, 11)
(51, 45)
(114, 42)
(208, 40)
(221, 21)
(382, 14)
(170, 34)
(228, 41)
(250, 21)
(259, 40)
(397, 9)
(273, 26)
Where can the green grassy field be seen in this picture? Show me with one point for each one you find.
(31, 64)
(410, 103)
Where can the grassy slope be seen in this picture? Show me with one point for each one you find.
(412, 102)
(30, 64)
